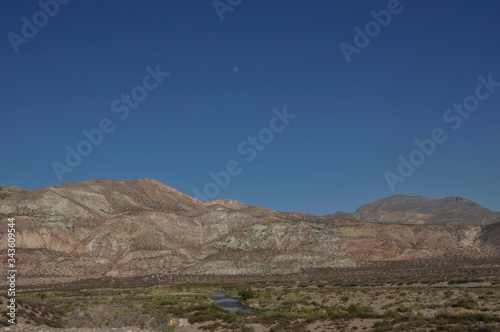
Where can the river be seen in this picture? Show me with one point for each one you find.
(229, 303)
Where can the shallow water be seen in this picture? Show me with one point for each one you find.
(229, 303)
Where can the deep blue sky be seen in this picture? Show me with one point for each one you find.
(353, 120)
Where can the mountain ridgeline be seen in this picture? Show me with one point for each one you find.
(143, 228)
(401, 209)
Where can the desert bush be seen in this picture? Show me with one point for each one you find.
(449, 293)
(211, 327)
(3, 321)
(465, 302)
(382, 326)
(212, 314)
(246, 294)
(107, 317)
(240, 326)
(450, 318)
(359, 311)
(403, 309)
(463, 281)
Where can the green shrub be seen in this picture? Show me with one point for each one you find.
(463, 281)
(403, 309)
(246, 294)
(465, 302)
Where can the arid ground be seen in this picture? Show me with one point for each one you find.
(394, 303)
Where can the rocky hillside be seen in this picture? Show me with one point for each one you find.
(403, 209)
(111, 229)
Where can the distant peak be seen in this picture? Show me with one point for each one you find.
(419, 209)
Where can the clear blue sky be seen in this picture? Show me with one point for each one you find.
(352, 120)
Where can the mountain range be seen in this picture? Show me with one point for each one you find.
(111, 230)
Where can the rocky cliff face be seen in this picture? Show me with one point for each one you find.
(106, 228)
